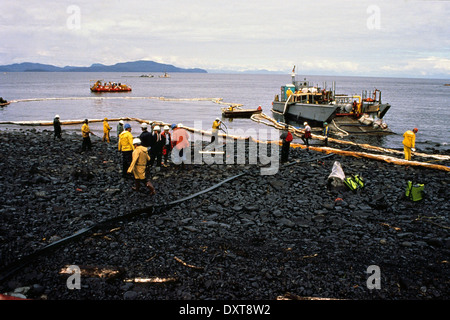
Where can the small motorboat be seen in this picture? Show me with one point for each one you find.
(110, 87)
(4, 102)
(237, 112)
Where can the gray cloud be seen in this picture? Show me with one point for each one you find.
(355, 37)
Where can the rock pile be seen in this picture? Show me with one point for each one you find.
(254, 237)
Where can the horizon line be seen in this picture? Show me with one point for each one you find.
(228, 71)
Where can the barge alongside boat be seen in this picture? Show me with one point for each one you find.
(302, 101)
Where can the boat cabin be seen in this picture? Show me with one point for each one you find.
(304, 93)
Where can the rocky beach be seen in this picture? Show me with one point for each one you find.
(254, 237)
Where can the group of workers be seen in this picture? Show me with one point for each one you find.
(286, 138)
(140, 152)
(409, 140)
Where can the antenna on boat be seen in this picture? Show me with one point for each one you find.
(293, 75)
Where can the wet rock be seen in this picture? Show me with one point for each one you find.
(37, 289)
(191, 229)
(286, 222)
(406, 244)
(256, 237)
(328, 205)
(251, 208)
(435, 242)
(130, 295)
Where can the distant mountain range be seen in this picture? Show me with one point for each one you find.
(135, 66)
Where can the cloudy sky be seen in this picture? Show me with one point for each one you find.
(409, 38)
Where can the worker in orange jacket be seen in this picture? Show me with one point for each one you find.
(409, 142)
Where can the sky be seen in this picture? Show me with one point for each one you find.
(396, 38)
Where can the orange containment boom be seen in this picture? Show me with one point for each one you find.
(295, 131)
(388, 159)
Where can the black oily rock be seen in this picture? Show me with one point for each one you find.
(259, 237)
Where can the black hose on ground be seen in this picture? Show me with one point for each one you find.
(22, 262)
(12, 268)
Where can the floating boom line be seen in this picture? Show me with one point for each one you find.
(264, 119)
(216, 100)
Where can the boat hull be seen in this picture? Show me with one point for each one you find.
(384, 107)
(351, 125)
(111, 90)
(240, 113)
(306, 111)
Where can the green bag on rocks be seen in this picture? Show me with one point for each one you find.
(414, 192)
(354, 182)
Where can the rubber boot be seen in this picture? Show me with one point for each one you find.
(137, 185)
(151, 188)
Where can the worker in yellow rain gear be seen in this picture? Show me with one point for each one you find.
(126, 147)
(106, 130)
(85, 133)
(409, 142)
(215, 130)
(138, 166)
(289, 93)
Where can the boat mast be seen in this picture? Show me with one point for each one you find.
(334, 89)
(293, 76)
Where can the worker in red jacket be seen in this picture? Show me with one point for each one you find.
(307, 135)
(180, 144)
(286, 138)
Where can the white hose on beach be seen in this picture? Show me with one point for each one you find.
(343, 131)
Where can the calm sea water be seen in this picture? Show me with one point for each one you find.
(421, 103)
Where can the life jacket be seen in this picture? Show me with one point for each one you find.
(168, 137)
(354, 182)
(289, 137)
(307, 134)
(414, 192)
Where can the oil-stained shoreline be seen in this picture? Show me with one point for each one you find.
(255, 237)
